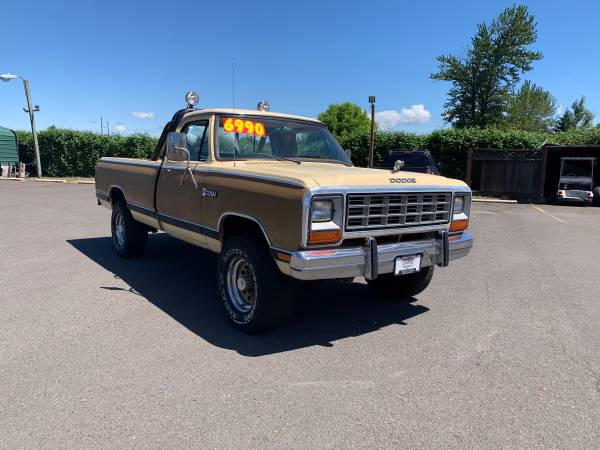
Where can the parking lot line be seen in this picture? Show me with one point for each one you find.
(548, 214)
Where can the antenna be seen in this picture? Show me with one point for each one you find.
(232, 86)
(236, 135)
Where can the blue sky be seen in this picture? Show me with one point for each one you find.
(91, 59)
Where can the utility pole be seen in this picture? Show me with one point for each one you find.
(372, 146)
(30, 110)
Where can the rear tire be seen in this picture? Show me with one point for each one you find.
(255, 294)
(401, 287)
(596, 192)
(130, 238)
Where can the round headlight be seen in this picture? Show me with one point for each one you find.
(459, 204)
(321, 211)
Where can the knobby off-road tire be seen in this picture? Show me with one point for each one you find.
(401, 287)
(596, 192)
(130, 238)
(255, 294)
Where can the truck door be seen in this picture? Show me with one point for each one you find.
(179, 191)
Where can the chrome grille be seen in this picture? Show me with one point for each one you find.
(397, 210)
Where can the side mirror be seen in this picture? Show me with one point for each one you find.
(349, 153)
(177, 147)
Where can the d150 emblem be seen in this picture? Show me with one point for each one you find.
(403, 180)
(208, 192)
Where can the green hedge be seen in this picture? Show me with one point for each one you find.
(69, 153)
(74, 153)
(450, 146)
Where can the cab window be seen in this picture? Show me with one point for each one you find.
(197, 139)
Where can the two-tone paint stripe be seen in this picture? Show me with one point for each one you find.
(102, 196)
(190, 226)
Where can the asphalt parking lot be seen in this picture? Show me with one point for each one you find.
(502, 351)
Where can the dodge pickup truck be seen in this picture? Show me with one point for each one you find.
(279, 200)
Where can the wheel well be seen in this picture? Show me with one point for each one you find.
(236, 225)
(115, 195)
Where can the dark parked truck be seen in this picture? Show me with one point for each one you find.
(410, 161)
(280, 202)
(577, 181)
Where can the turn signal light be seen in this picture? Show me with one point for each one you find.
(324, 237)
(459, 225)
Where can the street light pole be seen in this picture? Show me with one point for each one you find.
(30, 110)
(372, 146)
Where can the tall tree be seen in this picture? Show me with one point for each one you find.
(483, 79)
(531, 108)
(345, 119)
(576, 117)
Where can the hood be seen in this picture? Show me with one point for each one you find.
(326, 174)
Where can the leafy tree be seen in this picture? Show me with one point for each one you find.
(531, 108)
(483, 80)
(345, 120)
(576, 117)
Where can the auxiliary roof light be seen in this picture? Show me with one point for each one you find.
(191, 98)
(263, 106)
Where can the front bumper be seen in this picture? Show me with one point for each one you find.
(372, 259)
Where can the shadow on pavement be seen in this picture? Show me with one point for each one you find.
(180, 279)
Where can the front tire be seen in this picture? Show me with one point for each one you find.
(130, 238)
(401, 287)
(254, 292)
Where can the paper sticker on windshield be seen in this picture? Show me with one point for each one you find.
(241, 126)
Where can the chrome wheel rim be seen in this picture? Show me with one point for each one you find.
(241, 285)
(119, 229)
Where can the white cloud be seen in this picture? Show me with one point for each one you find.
(414, 114)
(120, 127)
(560, 110)
(143, 114)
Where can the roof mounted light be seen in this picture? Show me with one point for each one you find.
(191, 98)
(263, 106)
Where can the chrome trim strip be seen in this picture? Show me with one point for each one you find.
(190, 226)
(229, 213)
(384, 189)
(102, 196)
(142, 209)
(138, 162)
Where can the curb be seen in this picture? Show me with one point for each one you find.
(492, 200)
(12, 179)
(86, 182)
(43, 180)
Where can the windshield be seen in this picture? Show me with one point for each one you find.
(260, 138)
(577, 168)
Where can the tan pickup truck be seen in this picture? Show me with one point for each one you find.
(278, 199)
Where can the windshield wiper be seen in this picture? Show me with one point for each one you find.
(279, 158)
